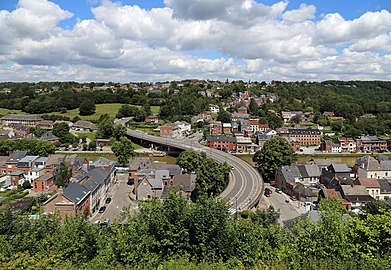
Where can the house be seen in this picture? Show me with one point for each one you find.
(305, 136)
(216, 128)
(370, 167)
(53, 162)
(245, 145)
(287, 116)
(295, 143)
(45, 124)
(370, 144)
(20, 130)
(98, 182)
(214, 108)
(333, 174)
(239, 116)
(356, 195)
(152, 119)
(326, 193)
(223, 143)
(242, 110)
(244, 125)
(263, 127)
(385, 189)
(227, 128)
(170, 130)
(372, 186)
(26, 163)
(49, 137)
(24, 119)
(328, 146)
(185, 128)
(74, 200)
(83, 125)
(151, 185)
(347, 145)
(183, 184)
(17, 178)
(262, 138)
(13, 159)
(43, 183)
(254, 125)
(103, 163)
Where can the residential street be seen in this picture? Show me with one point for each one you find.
(289, 210)
(120, 199)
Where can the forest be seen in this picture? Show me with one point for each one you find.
(177, 234)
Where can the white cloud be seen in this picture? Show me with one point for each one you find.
(250, 40)
(305, 12)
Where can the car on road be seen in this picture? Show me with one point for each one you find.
(268, 190)
(108, 200)
(232, 168)
(279, 191)
(102, 209)
(293, 198)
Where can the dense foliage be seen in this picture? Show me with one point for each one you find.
(275, 153)
(33, 147)
(175, 234)
(212, 177)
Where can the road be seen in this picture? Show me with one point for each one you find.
(120, 199)
(288, 210)
(246, 186)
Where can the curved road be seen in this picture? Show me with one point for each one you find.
(246, 186)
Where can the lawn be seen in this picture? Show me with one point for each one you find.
(9, 111)
(109, 108)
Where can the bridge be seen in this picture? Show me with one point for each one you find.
(246, 185)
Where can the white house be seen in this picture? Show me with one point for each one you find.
(214, 108)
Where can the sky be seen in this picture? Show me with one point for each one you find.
(160, 40)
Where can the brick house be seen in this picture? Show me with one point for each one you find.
(43, 183)
(223, 143)
(20, 130)
(170, 130)
(12, 161)
(305, 136)
(216, 128)
(45, 124)
(72, 201)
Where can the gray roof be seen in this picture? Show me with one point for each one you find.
(16, 156)
(341, 168)
(174, 169)
(384, 186)
(75, 192)
(41, 160)
(221, 139)
(20, 117)
(28, 159)
(49, 137)
(16, 173)
(102, 161)
(96, 177)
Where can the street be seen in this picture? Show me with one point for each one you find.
(289, 210)
(120, 199)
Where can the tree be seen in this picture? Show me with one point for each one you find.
(296, 119)
(253, 107)
(146, 108)
(224, 116)
(123, 150)
(62, 177)
(105, 128)
(119, 131)
(26, 185)
(275, 153)
(87, 107)
(61, 130)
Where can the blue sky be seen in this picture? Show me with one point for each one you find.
(217, 39)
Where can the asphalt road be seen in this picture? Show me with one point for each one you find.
(246, 186)
(288, 210)
(120, 199)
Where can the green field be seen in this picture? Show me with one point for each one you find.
(9, 111)
(109, 108)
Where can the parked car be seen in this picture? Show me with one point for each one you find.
(268, 190)
(267, 194)
(108, 200)
(102, 209)
(293, 198)
(279, 191)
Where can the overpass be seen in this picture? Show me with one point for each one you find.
(246, 184)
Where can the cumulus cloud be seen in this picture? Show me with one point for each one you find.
(250, 40)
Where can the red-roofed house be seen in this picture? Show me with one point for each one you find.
(372, 186)
(263, 127)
